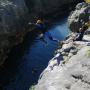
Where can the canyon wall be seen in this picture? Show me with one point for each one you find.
(12, 22)
(48, 6)
(14, 16)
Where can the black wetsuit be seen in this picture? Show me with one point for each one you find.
(80, 36)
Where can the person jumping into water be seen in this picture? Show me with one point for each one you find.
(42, 30)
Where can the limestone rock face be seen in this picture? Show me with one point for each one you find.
(78, 17)
(68, 70)
(12, 21)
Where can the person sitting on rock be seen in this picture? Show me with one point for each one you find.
(79, 35)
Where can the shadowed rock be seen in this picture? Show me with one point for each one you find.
(12, 23)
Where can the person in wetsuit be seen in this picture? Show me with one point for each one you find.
(82, 30)
(42, 30)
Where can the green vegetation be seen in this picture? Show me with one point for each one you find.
(32, 87)
(88, 53)
(66, 59)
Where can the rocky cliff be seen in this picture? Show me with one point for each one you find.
(13, 19)
(12, 22)
(70, 68)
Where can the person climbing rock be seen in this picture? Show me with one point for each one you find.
(79, 35)
(82, 30)
(76, 36)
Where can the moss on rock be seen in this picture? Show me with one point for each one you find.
(88, 53)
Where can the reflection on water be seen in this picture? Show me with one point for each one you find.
(27, 61)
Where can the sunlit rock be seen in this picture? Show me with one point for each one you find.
(79, 16)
